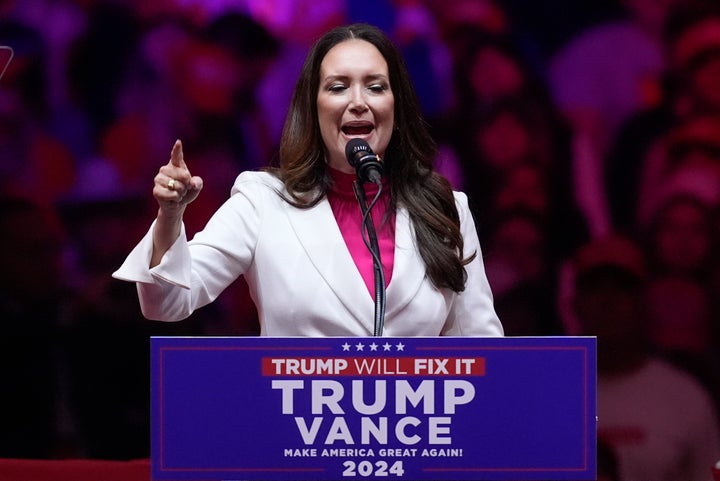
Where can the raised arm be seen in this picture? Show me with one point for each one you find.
(174, 189)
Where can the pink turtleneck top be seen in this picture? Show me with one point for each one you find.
(348, 215)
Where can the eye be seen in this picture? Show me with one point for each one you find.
(336, 87)
(377, 88)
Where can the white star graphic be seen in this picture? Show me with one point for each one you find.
(373, 347)
(387, 346)
(346, 347)
(400, 346)
(359, 346)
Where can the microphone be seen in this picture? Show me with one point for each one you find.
(368, 168)
(367, 163)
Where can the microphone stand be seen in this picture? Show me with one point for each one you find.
(374, 248)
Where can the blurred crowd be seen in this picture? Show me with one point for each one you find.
(588, 142)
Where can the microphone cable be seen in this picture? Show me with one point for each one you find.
(369, 236)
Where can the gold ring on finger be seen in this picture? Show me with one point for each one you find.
(171, 184)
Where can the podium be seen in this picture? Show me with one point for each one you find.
(451, 408)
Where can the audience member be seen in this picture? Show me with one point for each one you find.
(513, 154)
(504, 128)
(660, 421)
(98, 62)
(31, 158)
(485, 70)
(686, 158)
(206, 79)
(521, 272)
(516, 250)
(544, 27)
(680, 238)
(598, 82)
(460, 20)
(691, 42)
(680, 245)
(681, 314)
(490, 68)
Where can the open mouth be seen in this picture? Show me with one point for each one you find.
(357, 129)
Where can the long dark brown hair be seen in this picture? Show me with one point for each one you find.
(408, 161)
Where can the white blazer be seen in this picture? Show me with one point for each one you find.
(301, 275)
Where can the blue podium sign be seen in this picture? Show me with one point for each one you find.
(452, 408)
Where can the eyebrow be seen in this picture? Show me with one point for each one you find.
(377, 76)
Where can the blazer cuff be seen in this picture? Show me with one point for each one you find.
(174, 267)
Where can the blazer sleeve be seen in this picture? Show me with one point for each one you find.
(473, 312)
(192, 274)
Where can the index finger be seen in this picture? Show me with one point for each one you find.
(176, 156)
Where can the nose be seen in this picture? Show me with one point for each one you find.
(357, 100)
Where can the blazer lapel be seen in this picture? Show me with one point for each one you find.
(322, 240)
(408, 270)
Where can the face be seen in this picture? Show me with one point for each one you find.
(354, 100)
(505, 142)
(705, 79)
(683, 238)
(524, 185)
(609, 311)
(495, 75)
(519, 244)
(210, 78)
